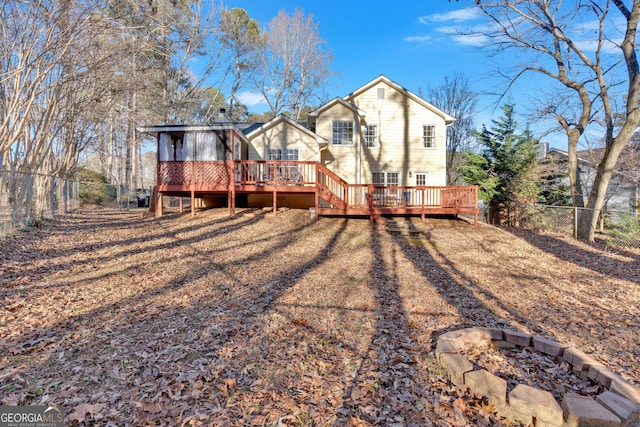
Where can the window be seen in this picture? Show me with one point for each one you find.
(386, 178)
(290, 154)
(205, 145)
(165, 148)
(371, 136)
(237, 149)
(342, 133)
(380, 93)
(378, 178)
(286, 154)
(428, 136)
(283, 172)
(422, 179)
(274, 154)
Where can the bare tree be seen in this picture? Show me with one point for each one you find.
(456, 98)
(548, 33)
(294, 65)
(242, 37)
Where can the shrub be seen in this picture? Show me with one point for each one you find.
(93, 187)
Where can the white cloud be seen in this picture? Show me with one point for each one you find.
(251, 98)
(591, 46)
(476, 40)
(460, 15)
(417, 39)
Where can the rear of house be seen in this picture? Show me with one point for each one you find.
(380, 149)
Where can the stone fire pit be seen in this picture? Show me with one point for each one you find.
(617, 405)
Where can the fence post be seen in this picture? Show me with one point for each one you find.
(575, 222)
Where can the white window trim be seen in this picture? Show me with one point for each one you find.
(386, 178)
(377, 141)
(435, 138)
(415, 178)
(349, 143)
(287, 153)
(271, 151)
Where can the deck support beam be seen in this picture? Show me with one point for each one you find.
(231, 202)
(193, 202)
(275, 203)
(159, 204)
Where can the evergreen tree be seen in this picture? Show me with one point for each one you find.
(504, 169)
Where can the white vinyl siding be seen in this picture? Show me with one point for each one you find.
(284, 135)
(400, 121)
(342, 132)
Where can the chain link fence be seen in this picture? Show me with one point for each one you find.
(27, 198)
(618, 228)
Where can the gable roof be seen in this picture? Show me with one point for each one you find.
(382, 78)
(284, 119)
(335, 101)
(626, 166)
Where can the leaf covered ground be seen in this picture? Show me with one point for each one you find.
(283, 320)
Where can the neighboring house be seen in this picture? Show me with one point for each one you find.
(623, 194)
(379, 150)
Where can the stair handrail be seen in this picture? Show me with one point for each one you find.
(343, 185)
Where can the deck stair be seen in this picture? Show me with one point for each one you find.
(330, 197)
(402, 227)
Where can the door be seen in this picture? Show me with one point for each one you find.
(422, 180)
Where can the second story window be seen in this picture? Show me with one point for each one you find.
(342, 133)
(428, 136)
(371, 136)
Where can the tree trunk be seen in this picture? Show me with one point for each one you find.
(494, 213)
(575, 183)
(589, 219)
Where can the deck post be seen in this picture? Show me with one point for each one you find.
(275, 203)
(370, 189)
(181, 205)
(424, 194)
(475, 216)
(193, 202)
(231, 192)
(231, 202)
(159, 205)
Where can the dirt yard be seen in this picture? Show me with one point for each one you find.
(282, 320)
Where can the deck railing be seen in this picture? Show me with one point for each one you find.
(222, 175)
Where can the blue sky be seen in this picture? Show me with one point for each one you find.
(415, 44)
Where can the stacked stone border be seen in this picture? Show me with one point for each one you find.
(617, 405)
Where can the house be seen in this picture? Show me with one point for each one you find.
(379, 150)
(623, 194)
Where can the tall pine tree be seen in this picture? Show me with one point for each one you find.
(504, 170)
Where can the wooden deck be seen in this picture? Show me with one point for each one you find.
(332, 195)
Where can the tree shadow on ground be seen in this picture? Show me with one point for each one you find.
(234, 308)
(590, 258)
